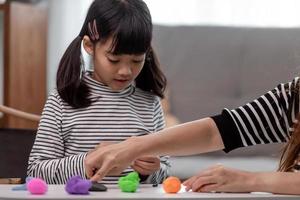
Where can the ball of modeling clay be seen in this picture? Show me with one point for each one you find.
(172, 184)
(37, 186)
(134, 176)
(76, 185)
(23, 186)
(129, 183)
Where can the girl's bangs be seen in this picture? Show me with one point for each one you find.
(131, 37)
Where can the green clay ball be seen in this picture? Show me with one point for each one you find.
(133, 176)
(129, 183)
(128, 186)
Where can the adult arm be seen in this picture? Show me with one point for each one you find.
(222, 179)
(189, 138)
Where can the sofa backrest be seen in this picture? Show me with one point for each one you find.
(209, 68)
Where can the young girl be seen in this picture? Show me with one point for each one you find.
(272, 118)
(116, 101)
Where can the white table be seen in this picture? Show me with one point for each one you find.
(57, 192)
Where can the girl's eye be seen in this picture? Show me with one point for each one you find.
(137, 61)
(112, 60)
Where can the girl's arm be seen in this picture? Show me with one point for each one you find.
(221, 179)
(47, 159)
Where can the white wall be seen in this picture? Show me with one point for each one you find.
(258, 13)
(65, 21)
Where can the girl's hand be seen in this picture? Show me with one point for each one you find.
(221, 179)
(146, 165)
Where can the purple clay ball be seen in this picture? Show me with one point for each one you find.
(76, 185)
(37, 186)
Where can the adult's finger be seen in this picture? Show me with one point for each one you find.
(209, 188)
(207, 172)
(101, 173)
(188, 183)
(202, 181)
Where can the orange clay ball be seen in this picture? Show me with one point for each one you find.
(172, 184)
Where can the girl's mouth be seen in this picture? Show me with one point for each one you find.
(122, 80)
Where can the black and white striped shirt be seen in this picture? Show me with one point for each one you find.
(65, 134)
(267, 119)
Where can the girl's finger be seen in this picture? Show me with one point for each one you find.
(141, 170)
(89, 172)
(146, 166)
(149, 159)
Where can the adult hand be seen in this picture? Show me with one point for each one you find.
(146, 165)
(220, 179)
(109, 159)
(103, 144)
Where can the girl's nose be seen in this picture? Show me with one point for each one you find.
(125, 71)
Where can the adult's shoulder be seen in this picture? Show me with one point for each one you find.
(290, 86)
(296, 81)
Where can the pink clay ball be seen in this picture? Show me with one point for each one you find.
(37, 186)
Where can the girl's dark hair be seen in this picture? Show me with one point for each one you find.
(129, 24)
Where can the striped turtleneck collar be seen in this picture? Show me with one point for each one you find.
(99, 89)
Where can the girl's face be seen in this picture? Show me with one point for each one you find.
(115, 71)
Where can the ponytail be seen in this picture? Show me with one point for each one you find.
(151, 78)
(69, 85)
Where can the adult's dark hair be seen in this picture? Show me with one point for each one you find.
(129, 23)
(289, 158)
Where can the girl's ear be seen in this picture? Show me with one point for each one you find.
(88, 45)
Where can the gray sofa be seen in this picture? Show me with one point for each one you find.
(209, 68)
